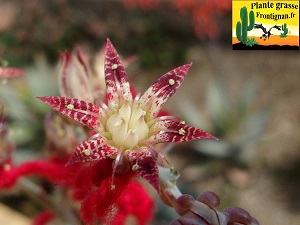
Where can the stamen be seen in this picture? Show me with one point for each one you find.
(182, 122)
(171, 82)
(70, 106)
(114, 66)
(181, 131)
(112, 186)
(135, 167)
(87, 152)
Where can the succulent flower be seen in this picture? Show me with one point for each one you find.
(128, 127)
(74, 80)
(82, 78)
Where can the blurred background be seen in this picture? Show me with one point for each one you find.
(248, 99)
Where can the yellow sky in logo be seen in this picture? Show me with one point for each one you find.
(266, 14)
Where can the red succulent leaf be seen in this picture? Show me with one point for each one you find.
(117, 85)
(170, 130)
(83, 112)
(92, 150)
(157, 95)
(238, 215)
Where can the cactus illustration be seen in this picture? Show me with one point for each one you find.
(251, 42)
(285, 30)
(242, 28)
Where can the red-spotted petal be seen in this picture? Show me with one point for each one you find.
(64, 59)
(156, 96)
(86, 113)
(145, 162)
(10, 72)
(92, 150)
(74, 77)
(117, 85)
(169, 130)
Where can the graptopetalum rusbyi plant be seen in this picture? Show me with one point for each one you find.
(123, 130)
(126, 128)
(76, 183)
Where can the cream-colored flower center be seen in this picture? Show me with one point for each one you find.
(127, 126)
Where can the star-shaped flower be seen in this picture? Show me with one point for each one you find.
(128, 127)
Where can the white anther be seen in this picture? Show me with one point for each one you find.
(87, 152)
(70, 106)
(181, 131)
(135, 167)
(182, 122)
(114, 66)
(112, 187)
(171, 82)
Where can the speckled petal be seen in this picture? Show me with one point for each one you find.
(81, 111)
(157, 95)
(74, 77)
(173, 131)
(92, 150)
(146, 161)
(117, 85)
(64, 60)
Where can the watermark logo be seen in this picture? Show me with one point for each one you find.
(259, 25)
